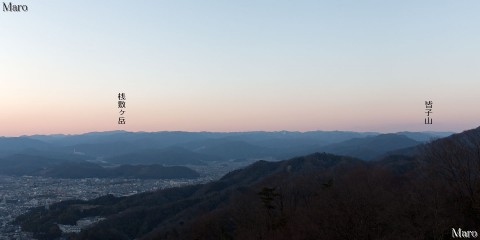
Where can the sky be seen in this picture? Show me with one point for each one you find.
(239, 66)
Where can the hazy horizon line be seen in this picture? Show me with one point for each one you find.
(249, 131)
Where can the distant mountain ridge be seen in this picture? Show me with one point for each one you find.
(369, 148)
(276, 199)
(29, 154)
(20, 165)
(167, 156)
(90, 170)
(425, 136)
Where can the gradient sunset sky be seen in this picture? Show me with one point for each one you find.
(239, 66)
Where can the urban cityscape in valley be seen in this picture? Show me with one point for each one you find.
(20, 193)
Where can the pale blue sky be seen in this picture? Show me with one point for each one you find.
(240, 65)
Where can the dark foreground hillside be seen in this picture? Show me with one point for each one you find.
(319, 196)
